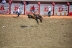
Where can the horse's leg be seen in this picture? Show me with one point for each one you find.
(40, 20)
(41, 17)
(37, 20)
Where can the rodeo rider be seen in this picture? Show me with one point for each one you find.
(33, 9)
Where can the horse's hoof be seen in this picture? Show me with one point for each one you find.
(38, 23)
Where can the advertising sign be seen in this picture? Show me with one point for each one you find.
(60, 9)
(31, 7)
(15, 6)
(4, 8)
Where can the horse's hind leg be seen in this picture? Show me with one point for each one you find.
(40, 20)
(37, 21)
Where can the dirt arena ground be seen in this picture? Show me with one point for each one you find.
(54, 32)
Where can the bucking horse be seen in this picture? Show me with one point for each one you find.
(36, 17)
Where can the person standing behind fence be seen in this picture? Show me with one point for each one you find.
(49, 11)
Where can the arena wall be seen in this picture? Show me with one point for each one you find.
(43, 8)
(47, 0)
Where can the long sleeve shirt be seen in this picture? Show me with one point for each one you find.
(18, 10)
(49, 9)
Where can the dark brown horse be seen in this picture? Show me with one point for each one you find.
(35, 16)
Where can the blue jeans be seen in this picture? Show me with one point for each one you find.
(18, 14)
(49, 13)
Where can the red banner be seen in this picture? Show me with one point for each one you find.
(46, 9)
(60, 9)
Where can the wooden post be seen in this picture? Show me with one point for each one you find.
(53, 10)
(24, 8)
(39, 7)
(53, 3)
(68, 10)
(68, 7)
(9, 6)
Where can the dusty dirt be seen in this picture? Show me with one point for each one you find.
(26, 33)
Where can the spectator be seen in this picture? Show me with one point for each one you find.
(3, 1)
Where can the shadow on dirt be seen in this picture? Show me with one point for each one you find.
(33, 26)
(15, 17)
(23, 26)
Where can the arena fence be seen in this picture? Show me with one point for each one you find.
(63, 9)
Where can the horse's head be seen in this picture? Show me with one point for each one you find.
(31, 16)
